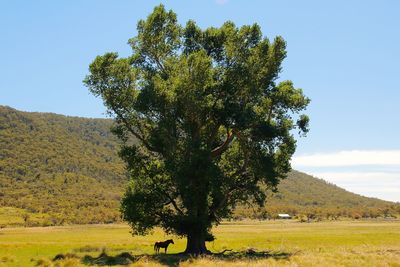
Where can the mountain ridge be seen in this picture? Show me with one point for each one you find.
(59, 169)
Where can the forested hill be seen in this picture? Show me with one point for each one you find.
(303, 194)
(63, 168)
(56, 169)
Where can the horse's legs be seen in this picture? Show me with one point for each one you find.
(166, 249)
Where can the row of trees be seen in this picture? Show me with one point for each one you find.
(102, 215)
(302, 213)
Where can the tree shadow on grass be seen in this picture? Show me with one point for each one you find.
(103, 259)
(173, 260)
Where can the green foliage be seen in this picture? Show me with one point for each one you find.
(214, 127)
(83, 179)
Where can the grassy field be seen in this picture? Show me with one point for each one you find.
(275, 243)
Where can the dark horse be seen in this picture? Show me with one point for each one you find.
(164, 244)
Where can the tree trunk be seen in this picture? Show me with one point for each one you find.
(196, 244)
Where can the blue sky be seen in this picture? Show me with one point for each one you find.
(344, 54)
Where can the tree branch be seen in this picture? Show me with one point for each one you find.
(130, 129)
(232, 189)
(270, 112)
(214, 132)
(158, 62)
(159, 65)
(173, 202)
(229, 138)
(226, 197)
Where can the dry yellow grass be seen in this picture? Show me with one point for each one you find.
(372, 243)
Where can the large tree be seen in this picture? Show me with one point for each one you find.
(212, 126)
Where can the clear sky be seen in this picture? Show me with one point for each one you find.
(344, 54)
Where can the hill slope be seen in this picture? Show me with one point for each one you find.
(64, 167)
(56, 169)
(302, 194)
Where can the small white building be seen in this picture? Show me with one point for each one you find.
(284, 216)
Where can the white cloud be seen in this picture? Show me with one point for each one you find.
(348, 158)
(373, 184)
(221, 2)
(373, 173)
(354, 176)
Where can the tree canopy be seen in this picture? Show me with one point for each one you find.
(214, 127)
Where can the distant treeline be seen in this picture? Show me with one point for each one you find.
(57, 170)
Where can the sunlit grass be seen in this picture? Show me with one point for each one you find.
(348, 243)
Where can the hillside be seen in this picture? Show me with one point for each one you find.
(56, 169)
(302, 194)
(63, 168)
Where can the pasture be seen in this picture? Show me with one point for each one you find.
(253, 243)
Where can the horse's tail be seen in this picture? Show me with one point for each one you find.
(155, 246)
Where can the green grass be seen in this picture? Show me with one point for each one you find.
(350, 243)
(11, 216)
